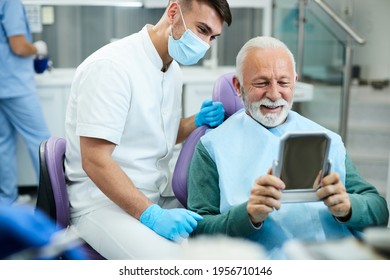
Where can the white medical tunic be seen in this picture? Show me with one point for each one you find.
(121, 95)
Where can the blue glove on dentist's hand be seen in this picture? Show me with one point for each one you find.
(173, 224)
(211, 113)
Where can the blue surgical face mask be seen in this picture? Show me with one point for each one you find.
(189, 49)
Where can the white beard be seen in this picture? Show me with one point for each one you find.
(269, 119)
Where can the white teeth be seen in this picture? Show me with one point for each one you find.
(272, 105)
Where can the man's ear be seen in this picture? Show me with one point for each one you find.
(172, 10)
(236, 85)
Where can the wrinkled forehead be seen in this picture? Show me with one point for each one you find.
(270, 59)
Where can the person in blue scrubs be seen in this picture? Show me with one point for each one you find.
(20, 110)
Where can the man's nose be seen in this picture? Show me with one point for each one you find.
(273, 92)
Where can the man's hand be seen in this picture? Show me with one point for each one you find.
(335, 196)
(41, 47)
(265, 197)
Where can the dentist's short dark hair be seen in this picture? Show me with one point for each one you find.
(220, 6)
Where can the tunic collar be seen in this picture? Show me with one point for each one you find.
(150, 49)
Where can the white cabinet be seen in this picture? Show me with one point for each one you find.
(53, 100)
(53, 96)
(198, 83)
(194, 95)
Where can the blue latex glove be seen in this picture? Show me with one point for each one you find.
(173, 224)
(21, 228)
(211, 114)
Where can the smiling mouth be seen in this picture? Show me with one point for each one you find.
(271, 107)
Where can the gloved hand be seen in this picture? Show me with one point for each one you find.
(211, 113)
(41, 47)
(21, 228)
(173, 224)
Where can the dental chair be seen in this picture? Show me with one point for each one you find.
(52, 194)
(224, 92)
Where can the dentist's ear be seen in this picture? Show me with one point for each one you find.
(171, 11)
(236, 85)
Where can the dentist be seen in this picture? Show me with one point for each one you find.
(122, 123)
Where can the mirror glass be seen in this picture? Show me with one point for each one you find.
(303, 161)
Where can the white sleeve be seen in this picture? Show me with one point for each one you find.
(103, 101)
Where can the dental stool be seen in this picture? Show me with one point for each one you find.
(52, 193)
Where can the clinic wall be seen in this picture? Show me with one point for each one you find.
(372, 19)
(323, 53)
(80, 30)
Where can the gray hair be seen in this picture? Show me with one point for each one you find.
(260, 42)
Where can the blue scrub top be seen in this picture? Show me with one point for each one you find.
(17, 76)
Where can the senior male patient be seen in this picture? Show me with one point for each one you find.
(230, 179)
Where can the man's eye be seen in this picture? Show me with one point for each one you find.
(284, 84)
(202, 30)
(262, 84)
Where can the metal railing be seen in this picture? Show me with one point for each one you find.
(352, 37)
